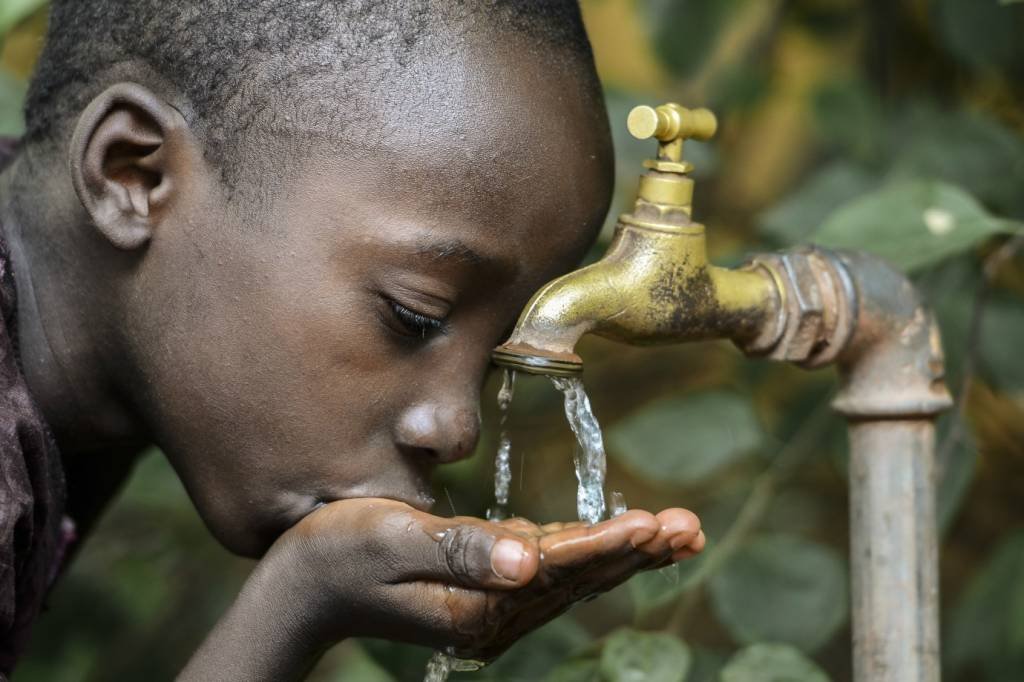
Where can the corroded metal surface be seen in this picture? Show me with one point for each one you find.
(808, 306)
(893, 551)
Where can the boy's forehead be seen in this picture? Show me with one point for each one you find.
(479, 139)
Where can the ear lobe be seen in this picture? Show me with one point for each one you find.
(119, 162)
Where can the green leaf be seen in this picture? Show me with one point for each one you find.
(801, 213)
(707, 665)
(1002, 323)
(576, 671)
(782, 588)
(652, 589)
(771, 663)
(539, 652)
(966, 149)
(12, 12)
(683, 32)
(987, 625)
(913, 224)
(687, 439)
(981, 34)
(632, 656)
(849, 115)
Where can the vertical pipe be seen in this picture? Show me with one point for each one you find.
(894, 556)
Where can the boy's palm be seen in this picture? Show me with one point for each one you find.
(379, 568)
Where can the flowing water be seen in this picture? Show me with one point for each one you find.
(618, 506)
(589, 457)
(441, 665)
(502, 462)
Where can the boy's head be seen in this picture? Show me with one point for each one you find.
(305, 224)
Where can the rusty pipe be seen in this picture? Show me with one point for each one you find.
(809, 306)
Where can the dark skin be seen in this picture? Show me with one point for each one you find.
(305, 375)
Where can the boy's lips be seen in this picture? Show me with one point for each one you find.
(418, 497)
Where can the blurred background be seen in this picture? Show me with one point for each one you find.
(842, 122)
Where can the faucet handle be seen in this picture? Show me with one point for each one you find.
(670, 122)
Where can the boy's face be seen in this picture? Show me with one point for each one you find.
(338, 350)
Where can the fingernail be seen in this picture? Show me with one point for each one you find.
(507, 559)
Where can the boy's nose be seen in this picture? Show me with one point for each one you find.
(447, 433)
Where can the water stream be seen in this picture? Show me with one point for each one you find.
(502, 461)
(589, 458)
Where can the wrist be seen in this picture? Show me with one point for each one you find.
(269, 633)
(287, 588)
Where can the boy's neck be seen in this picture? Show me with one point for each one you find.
(59, 316)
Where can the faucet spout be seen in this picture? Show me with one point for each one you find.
(654, 285)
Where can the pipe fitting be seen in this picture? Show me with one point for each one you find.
(815, 319)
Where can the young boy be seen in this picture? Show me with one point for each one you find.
(279, 239)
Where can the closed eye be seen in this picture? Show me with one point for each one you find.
(413, 323)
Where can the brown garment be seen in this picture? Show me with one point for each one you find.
(31, 482)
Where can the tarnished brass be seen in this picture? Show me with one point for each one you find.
(808, 306)
(655, 284)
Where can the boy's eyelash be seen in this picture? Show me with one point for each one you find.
(416, 323)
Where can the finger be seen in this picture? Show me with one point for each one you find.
(558, 526)
(695, 547)
(584, 543)
(678, 528)
(437, 615)
(518, 524)
(463, 551)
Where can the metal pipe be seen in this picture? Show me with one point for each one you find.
(809, 306)
(893, 551)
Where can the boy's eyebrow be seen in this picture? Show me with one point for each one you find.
(450, 249)
(457, 251)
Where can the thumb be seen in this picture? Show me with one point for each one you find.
(469, 553)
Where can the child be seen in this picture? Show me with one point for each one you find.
(279, 240)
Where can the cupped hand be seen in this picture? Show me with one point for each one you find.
(380, 568)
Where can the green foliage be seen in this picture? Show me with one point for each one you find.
(1001, 332)
(987, 627)
(982, 35)
(771, 663)
(683, 32)
(783, 589)
(576, 671)
(913, 224)
(632, 656)
(14, 11)
(687, 439)
(964, 148)
(12, 92)
(795, 219)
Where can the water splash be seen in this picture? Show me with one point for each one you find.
(441, 665)
(589, 457)
(503, 461)
(438, 667)
(618, 505)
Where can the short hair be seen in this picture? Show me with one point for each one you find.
(239, 62)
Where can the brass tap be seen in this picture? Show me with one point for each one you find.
(654, 284)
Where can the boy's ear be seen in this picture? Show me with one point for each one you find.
(122, 161)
